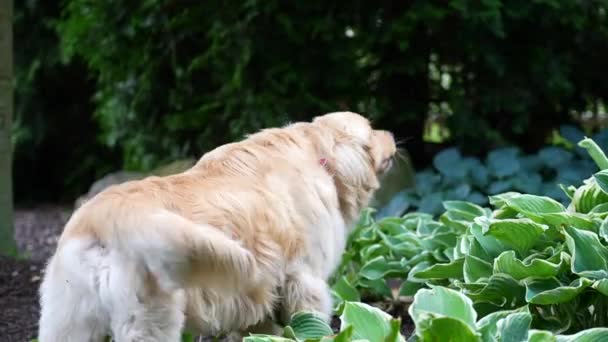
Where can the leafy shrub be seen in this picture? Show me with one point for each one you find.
(526, 261)
(176, 80)
(455, 177)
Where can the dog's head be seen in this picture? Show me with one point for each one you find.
(359, 155)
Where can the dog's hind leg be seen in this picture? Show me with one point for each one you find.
(140, 311)
(70, 313)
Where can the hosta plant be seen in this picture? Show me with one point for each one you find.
(455, 176)
(359, 322)
(527, 255)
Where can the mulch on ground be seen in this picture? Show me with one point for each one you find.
(36, 232)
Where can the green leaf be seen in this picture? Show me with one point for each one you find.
(410, 288)
(601, 178)
(378, 286)
(499, 289)
(551, 291)
(595, 152)
(187, 337)
(589, 335)
(488, 325)
(446, 329)
(500, 200)
(343, 336)
(467, 210)
(309, 325)
(345, 291)
(508, 263)
(490, 245)
(442, 271)
(368, 322)
(601, 286)
(442, 302)
(540, 336)
(380, 268)
(588, 196)
(533, 206)
(589, 256)
(476, 268)
(514, 327)
(519, 234)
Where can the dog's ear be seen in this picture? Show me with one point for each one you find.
(348, 124)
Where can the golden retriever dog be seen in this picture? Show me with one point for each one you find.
(247, 236)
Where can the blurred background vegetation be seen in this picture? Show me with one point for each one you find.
(107, 85)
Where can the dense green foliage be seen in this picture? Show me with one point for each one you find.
(174, 80)
(54, 131)
(528, 256)
(167, 80)
(359, 322)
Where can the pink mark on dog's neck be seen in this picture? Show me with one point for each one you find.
(323, 161)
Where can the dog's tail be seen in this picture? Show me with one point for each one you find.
(181, 253)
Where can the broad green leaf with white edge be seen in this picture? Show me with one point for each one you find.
(601, 178)
(595, 152)
(589, 335)
(589, 256)
(466, 209)
(475, 269)
(346, 291)
(578, 220)
(488, 325)
(491, 245)
(343, 336)
(309, 325)
(446, 329)
(568, 190)
(442, 302)
(508, 263)
(540, 336)
(380, 268)
(499, 289)
(600, 210)
(514, 327)
(379, 286)
(454, 221)
(519, 234)
(603, 231)
(411, 285)
(588, 196)
(551, 291)
(499, 200)
(533, 206)
(601, 286)
(442, 271)
(368, 322)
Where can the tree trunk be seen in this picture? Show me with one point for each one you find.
(7, 240)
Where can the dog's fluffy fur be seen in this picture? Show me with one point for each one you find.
(250, 234)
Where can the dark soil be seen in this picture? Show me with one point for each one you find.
(36, 232)
(19, 282)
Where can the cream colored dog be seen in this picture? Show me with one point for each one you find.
(253, 230)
